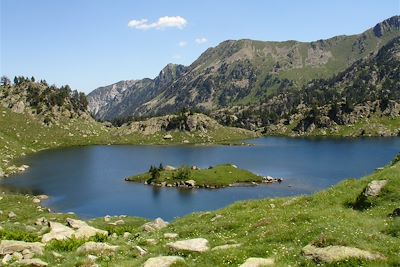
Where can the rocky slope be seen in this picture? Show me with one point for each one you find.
(238, 72)
(48, 103)
(367, 91)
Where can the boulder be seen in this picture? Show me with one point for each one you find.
(12, 215)
(191, 183)
(258, 262)
(97, 248)
(163, 261)
(18, 107)
(58, 231)
(41, 221)
(33, 262)
(191, 245)
(140, 250)
(83, 230)
(167, 137)
(332, 254)
(76, 224)
(155, 225)
(368, 197)
(11, 246)
(374, 188)
(227, 246)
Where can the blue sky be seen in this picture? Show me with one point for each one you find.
(88, 43)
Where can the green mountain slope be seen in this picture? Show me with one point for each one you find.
(364, 99)
(241, 72)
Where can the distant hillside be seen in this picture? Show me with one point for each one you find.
(238, 72)
(366, 94)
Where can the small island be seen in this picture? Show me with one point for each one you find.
(219, 176)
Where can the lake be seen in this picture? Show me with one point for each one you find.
(90, 180)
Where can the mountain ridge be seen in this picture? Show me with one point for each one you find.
(240, 72)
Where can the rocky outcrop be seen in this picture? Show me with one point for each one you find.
(79, 230)
(11, 246)
(190, 245)
(48, 103)
(333, 254)
(183, 122)
(58, 232)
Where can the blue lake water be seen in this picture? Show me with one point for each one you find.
(90, 180)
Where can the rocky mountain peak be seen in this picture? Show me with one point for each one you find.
(169, 73)
(390, 24)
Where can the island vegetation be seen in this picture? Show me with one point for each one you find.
(193, 177)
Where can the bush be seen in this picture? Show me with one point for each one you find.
(183, 173)
(18, 235)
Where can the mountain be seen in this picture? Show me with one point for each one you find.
(364, 95)
(122, 99)
(238, 73)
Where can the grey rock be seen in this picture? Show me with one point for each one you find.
(258, 262)
(332, 254)
(163, 261)
(191, 245)
(11, 246)
(155, 225)
(33, 263)
(374, 188)
(58, 231)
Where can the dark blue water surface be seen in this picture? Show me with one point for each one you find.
(90, 180)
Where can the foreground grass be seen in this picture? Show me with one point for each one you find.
(277, 228)
(217, 176)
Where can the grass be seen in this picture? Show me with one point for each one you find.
(217, 176)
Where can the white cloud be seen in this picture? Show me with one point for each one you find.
(201, 40)
(182, 43)
(177, 56)
(161, 23)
